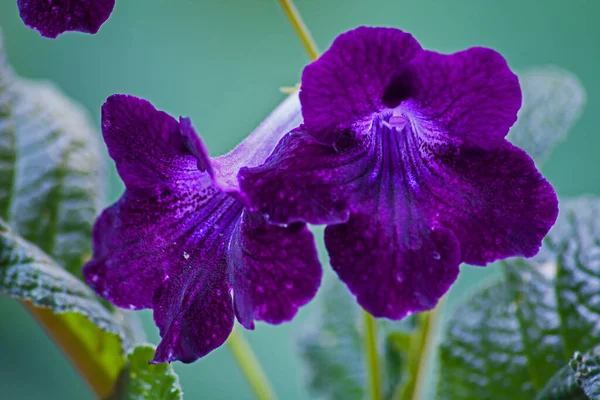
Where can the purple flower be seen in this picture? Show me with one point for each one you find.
(180, 240)
(403, 155)
(53, 17)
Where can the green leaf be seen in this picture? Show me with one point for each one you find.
(50, 168)
(566, 383)
(511, 338)
(141, 380)
(27, 274)
(553, 101)
(332, 347)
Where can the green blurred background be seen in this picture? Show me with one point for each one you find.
(221, 62)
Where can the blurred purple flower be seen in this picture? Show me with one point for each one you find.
(53, 17)
(403, 155)
(180, 240)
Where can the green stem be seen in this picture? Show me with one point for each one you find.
(421, 345)
(243, 354)
(373, 365)
(302, 31)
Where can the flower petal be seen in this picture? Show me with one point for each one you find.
(306, 181)
(53, 17)
(495, 201)
(194, 310)
(348, 82)
(472, 95)
(390, 277)
(165, 199)
(275, 270)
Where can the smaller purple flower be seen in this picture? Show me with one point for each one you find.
(53, 17)
(403, 155)
(180, 241)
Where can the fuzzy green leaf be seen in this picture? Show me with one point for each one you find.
(143, 381)
(50, 168)
(553, 100)
(510, 339)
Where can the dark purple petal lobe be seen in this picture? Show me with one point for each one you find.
(496, 202)
(135, 238)
(53, 17)
(163, 244)
(306, 181)
(274, 270)
(389, 276)
(347, 84)
(472, 95)
(194, 310)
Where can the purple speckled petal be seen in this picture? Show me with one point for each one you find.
(389, 276)
(164, 191)
(347, 84)
(495, 201)
(165, 240)
(194, 310)
(275, 270)
(306, 181)
(53, 17)
(472, 95)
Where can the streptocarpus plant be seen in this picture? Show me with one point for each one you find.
(401, 152)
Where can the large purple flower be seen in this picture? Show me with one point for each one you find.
(180, 241)
(403, 154)
(53, 17)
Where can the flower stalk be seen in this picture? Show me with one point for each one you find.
(421, 345)
(250, 366)
(372, 359)
(302, 31)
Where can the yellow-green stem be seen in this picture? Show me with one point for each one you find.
(373, 367)
(244, 356)
(99, 380)
(421, 344)
(302, 31)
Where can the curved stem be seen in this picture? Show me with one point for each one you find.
(244, 356)
(94, 373)
(373, 367)
(302, 31)
(421, 346)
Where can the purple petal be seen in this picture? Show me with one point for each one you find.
(164, 191)
(53, 17)
(194, 311)
(496, 202)
(275, 270)
(472, 95)
(306, 181)
(346, 85)
(165, 239)
(390, 276)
